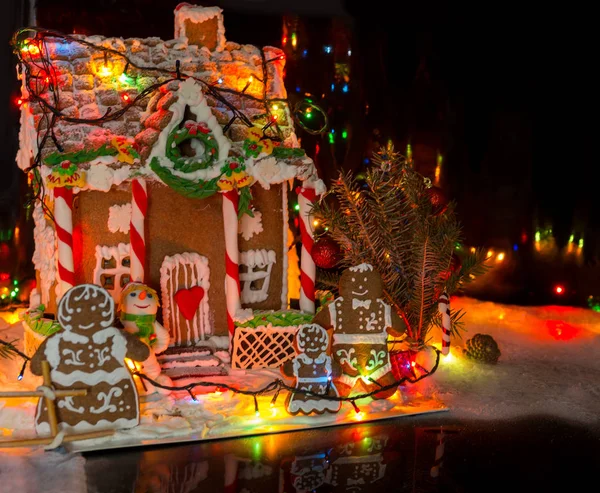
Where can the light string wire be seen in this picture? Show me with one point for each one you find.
(51, 112)
(278, 385)
(275, 386)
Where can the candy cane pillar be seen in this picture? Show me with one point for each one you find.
(444, 309)
(308, 269)
(63, 220)
(232, 256)
(139, 207)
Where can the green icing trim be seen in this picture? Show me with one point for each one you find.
(287, 152)
(193, 189)
(43, 326)
(80, 156)
(282, 318)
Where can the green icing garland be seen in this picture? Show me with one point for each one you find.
(282, 318)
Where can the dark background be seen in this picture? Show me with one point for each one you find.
(500, 91)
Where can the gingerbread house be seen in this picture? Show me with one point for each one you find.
(166, 162)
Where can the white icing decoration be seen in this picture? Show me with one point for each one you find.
(101, 177)
(351, 339)
(190, 95)
(360, 303)
(28, 137)
(364, 267)
(372, 322)
(346, 356)
(243, 315)
(118, 253)
(119, 218)
(196, 273)
(377, 358)
(253, 259)
(74, 357)
(251, 226)
(198, 14)
(106, 399)
(67, 403)
(121, 423)
(44, 256)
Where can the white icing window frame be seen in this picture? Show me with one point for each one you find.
(118, 252)
(253, 259)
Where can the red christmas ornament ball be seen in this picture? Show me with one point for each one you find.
(455, 266)
(326, 252)
(438, 200)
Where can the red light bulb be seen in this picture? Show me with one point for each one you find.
(559, 289)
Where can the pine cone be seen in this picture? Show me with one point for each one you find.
(483, 348)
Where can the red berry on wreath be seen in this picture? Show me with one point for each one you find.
(438, 200)
(326, 252)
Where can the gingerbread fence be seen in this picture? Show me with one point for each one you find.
(262, 347)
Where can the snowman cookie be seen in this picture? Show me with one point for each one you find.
(311, 369)
(361, 320)
(137, 312)
(88, 353)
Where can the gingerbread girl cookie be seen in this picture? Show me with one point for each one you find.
(312, 369)
(88, 353)
(361, 321)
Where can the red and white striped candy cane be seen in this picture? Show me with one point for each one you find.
(308, 269)
(444, 309)
(439, 455)
(232, 257)
(139, 207)
(63, 221)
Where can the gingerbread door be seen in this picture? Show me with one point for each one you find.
(184, 283)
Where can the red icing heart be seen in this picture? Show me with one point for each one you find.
(188, 300)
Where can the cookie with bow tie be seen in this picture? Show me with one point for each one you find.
(360, 321)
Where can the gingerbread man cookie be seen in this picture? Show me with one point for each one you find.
(88, 353)
(361, 321)
(312, 369)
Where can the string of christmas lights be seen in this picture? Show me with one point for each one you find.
(278, 385)
(32, 53)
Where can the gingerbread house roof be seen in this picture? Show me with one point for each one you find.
(247, 79)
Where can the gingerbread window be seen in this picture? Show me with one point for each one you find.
(112, 270)
(255, 274)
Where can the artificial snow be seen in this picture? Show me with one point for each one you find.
(549, 365)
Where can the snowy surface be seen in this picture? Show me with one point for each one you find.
(540, 372)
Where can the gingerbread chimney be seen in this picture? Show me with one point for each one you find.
(202, 26)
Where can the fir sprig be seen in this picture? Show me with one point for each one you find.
(391, 223)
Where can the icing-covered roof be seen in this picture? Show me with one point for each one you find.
(86, 94)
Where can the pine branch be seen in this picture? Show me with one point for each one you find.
(8, 349)
(392, 224)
